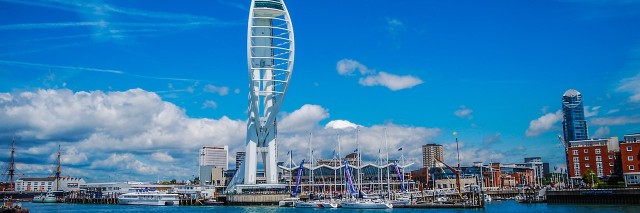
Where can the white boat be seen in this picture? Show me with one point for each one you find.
(150, 198)
(401, 201)
(288, 202)
(366, 204)
(316, 204)
(49, 197)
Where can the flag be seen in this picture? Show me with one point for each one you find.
(356, 150)
(378, 151)
(288, 152)
(400, 149)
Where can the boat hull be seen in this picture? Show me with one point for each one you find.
(366, 205)
(149, 202)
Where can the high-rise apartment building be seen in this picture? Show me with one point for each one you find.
(431, 152)
(574, 123)
(215, 156)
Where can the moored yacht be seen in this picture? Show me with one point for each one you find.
(148, 197)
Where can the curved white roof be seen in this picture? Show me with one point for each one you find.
(571, 93)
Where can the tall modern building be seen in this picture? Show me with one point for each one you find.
(431, 152)
(574, 123)
(270, 56)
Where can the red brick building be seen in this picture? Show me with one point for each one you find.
(597, 155)
(630, 157)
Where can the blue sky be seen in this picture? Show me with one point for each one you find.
(132, 89)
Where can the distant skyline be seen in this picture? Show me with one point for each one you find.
(132, 89)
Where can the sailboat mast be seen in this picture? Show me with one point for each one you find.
(311, 181)
(12, 164)
(58, 171)
(359, 160)
(386, 167)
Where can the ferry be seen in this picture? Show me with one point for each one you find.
(148, 197)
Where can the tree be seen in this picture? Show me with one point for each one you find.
(589, 177)
(173, 181)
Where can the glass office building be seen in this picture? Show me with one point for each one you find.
(574, 123)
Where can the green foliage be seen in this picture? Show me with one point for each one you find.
(589, 177)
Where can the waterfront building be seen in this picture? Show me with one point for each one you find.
(540, 168)
(328, 176)
(597, 155)
(213, 160)
(48, 184)
(431, 153)
(630, 157)
(574, 124)
(270, 54)
(107, 188)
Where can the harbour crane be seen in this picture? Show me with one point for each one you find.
(457, 172)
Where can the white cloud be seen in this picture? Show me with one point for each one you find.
(236, 91)
(543, 124)
(222, 91)
(631, 85)
(602, 132)
(591, 111)
(94, 126)
(347, 66)
(372, 78)
(615, 121)
(391, 81)
(464, 112)
(611, 111)
(125, 161)
(209, 104)
(340, 124)
(304, 119)
(162, 157)
(370, 138)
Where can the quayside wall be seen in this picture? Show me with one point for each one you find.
(595, 196)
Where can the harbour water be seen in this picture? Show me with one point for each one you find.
(494, 207)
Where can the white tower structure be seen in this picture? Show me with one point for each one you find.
(270, 54)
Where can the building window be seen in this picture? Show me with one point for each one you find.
(599, 166)
(586, 158)
(610, 156)
(629, 148)
(598, 158)
(586, 150)
(597, 151)
(575, 152)
(587, 165)
(610, 164)
(610, 171)
(631, 167)
(630, 158)
(576, 159)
